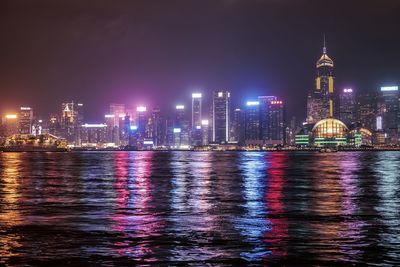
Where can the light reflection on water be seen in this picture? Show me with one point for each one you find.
(199, 208)
(388, 187)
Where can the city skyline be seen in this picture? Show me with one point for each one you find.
(186, 100)
(109, 54)
(335, 117)
(211, 132)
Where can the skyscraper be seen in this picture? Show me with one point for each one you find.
(205, 132)
(25, 120)
(158, 128)
(320, 101)
(196, 109)
(109, 121)
(141, 121)
(196, 119)
(347, 106)
(238, 126)
(265, 103)
(390, 107)
(10, 124)
(220, 116)
(118, 111)
(71, 121)
(181, 127)
(54, 125)
(252, 121)
(93, 135)
(367, 110)
(277, 122)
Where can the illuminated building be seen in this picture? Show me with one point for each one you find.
(181, 123)
(347, 106)
(25, 120)
(93, 135)
(220, 116)
(38, 127)
(109, 121)
(360, 137)
(118, 111)
(179, 115)
(320, 101)
(389, 109)
(177, 137)
(196, 109)
(252, 122)
(276, 122)
(158, 128)
(141, 122)
(125, 130)
(302, 139)
(380, 138)
(196, 119)
(54, 125)
(293, 128)
(265, 102)
(169, 137)
(71, 121)
(10, 124)
(330, 132)
(237, 133)
(205, 132)
(367, 110)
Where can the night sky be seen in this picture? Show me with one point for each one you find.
(159, 52)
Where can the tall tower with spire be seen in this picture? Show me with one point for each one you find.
(320, 101)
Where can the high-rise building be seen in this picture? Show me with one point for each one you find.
(141, 121)
(38, 127)
(205, 132)
(181, 128)
(25, 120)
(109, 121)
(220, 116)
(10, 124)
(118, 111)
(276, 127)
(237, 133)
(158, 128)
(196, 119)
(320, 101)
(252, 121)
(93, 135)
(390, 107)
(292, 129)
(54, 125)
(169, 132)
(71, 122)
(265, 103)
(196, 109)
(78, 123)
(125, 130)
(347, 106)
(367, 110)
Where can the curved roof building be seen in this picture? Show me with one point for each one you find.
(330, 132)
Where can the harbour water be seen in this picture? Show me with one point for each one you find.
(200, 208)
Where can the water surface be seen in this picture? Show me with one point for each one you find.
(199, 208)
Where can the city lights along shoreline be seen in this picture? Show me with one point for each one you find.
(336, 119)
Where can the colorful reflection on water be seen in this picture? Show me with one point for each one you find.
(218, 208)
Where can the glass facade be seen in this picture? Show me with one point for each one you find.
(330, 128)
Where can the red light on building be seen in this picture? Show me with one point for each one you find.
(276, 102)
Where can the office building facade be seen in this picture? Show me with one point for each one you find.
(220, 116)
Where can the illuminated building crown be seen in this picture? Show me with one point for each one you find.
(324, 60)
